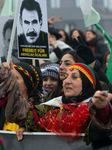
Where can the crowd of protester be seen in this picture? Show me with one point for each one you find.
(70, 93)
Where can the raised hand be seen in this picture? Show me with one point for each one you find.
(10, 67)
(51, 20)
(100, 99)
(79, 41)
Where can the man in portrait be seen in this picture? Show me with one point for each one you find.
(31, 22)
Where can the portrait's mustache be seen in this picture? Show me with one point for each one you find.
(31, 34)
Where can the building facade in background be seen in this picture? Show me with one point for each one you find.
(72, 16)
(70, 3)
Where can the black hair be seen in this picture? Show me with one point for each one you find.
(92, 31)
(8, 25)
(67, 40)
(31, 5)
(74, 55)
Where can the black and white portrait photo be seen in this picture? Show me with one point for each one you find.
(5, 37)
(32, 29)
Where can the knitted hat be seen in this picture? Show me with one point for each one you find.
(51, 70)
(53, 31)
(86, 70)
(84, 51)
(31, 76)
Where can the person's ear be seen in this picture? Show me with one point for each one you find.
(41, 22)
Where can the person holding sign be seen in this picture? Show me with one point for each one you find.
(29, 79)
(79, 86)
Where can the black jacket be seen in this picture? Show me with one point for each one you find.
(99, 48)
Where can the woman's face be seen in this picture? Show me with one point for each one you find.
(72, 85)
(63, 36)
(22, 85)
(65, 63)
(75, 34)
(89, 36)
(49, 83)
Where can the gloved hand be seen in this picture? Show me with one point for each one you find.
(84, 51)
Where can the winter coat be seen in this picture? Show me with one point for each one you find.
(98, 47)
